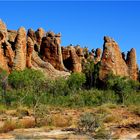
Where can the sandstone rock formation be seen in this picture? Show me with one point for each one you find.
(113, 61)
(132, 65)
(98, 53)
(4, 47)
(20, 50)
(12, 35)
(35, 62)
(72, 58)
(50, 50)
(43, 51)
(40, 33)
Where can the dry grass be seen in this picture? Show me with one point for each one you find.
(103, 110)
(111, 119)
(8, 126)
(12, 113)
(110, 106)
(22, 111)
(135, 110)
(27, 122)
(2, 109)
(59, 120)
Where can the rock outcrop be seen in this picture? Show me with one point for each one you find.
(4, 47)
(72, 58)
(132, 65)
(35, 62)
(12, 35)
(40, 33)
(20, 50)
(50, 50)
(113, 61)
(43, 51)
(98, 54)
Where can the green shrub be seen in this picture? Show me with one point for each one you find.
(122, 86)
(81, 98)
(2, 109)
(88, 69)
(25, 79)
(98, 97)
(75, 81)
(88, 122)
(57, 87)
(3, 85)
(27, 86)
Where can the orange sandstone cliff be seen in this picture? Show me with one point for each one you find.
(43, 51)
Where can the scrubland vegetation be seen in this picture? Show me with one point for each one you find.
(31, 90)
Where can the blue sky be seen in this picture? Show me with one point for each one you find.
(80, 22)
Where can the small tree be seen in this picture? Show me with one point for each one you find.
(3, 86)
(88, 70)
(121, 85)
(28, 86)
(75, 81)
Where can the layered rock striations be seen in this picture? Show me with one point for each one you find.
(43, 51)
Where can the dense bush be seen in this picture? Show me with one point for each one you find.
(91, 71)
(31, 88)
(81, 98)
(63, 87)
(122, 86)
(75, 81)
(27, 86)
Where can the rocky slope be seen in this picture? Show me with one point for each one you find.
(43, 51)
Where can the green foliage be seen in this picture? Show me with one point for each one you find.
(81, 98)
(63, 87)
(122, 86)
(31, 88)
(75, 81)
(3, 85)
(91, 71)
(57, 87)
(98, 97)
(3, 75)
(27, 86)
(27, 78)
(88, 122)
(88, 69)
